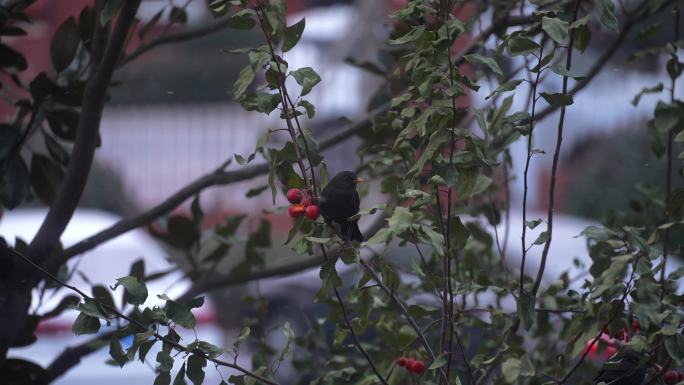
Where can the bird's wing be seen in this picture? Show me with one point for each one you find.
(356, 202)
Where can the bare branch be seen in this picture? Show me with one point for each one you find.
(94, 98)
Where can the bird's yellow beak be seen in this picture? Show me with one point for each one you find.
(359, 180)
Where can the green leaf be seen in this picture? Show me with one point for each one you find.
(212, 351)
(145, 348)
(310, 109)
(517, 45)
(260, 101)
(582, 37)
(438, 362)
(558, 99)
(116, 351)
(244, 334)
(647, 90)
(85, 324)
(244, 79)
(307, 78)
(437, 138)
(329, 279)
(679, 138)
(667, 117)
(608, 18)
(46, 176)
(674, 67)
(400, 220)
(165, 361)
(511, 370)
(240, 20)
(508, 86)
(459, 234)
(675, 347)
(15, 182)
(11, 58)
(318, 240)
(532, 224)
(542, 238)
(180, 314)
(382, 236)
(163, 378)
(195, 369)
(110, 10)
(102, 295)
(292, 35)
(556, 28)
(412, 35)
(180, 376)
(490, 62)
(137, 291)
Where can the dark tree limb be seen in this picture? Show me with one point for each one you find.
(15, 292)
(94, 98)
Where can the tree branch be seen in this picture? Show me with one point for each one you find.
(189, 34)
(554, 168)
(215, 178)
(94, 97)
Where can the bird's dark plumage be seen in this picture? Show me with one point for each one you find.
(339, 201)
(626, 367)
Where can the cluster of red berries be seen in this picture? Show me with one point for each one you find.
(672, 377)
(302, 204)
(412, 365)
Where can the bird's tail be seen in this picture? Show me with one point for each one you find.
(350, 231)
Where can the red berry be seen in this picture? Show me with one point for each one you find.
(417, 367)
(294, 195)
(680, 376)
(671, 377)
(296, 210)
(402, 361)
(312, 212)
(306, 202)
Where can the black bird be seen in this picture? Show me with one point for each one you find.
(339, 200)
(626, 367)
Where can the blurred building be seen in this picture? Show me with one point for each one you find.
(172, 118)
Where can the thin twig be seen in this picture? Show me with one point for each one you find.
(533, 97)
(554, 167)
(668, 167)
(347, 321)
(189, 34)
(404, 311)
